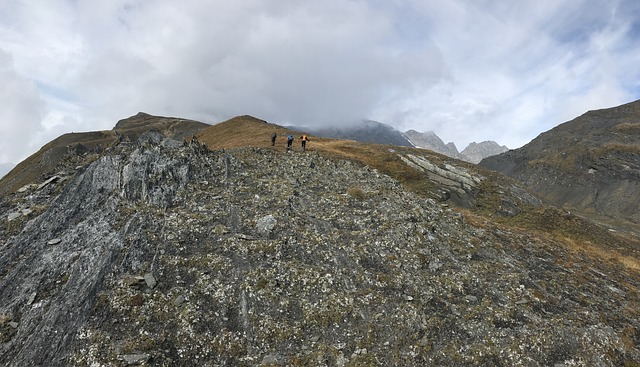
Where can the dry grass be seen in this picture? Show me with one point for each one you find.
(575, 243)
(245, 131)
(617, 148)
(627, 128)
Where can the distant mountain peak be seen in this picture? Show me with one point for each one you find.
(476, 152)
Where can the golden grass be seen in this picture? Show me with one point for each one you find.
(627, 127)
(245, 131)
(617, 147)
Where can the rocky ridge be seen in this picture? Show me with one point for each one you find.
(161, 253)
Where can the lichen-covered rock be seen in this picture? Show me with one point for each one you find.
(265, 258)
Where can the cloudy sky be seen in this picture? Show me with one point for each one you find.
(470, 70)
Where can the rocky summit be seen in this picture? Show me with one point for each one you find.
(164, 253)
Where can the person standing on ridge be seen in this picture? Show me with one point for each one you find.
(273, 139)
(289, 141)
(303, 141)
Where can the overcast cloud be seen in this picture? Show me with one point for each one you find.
(469, 70)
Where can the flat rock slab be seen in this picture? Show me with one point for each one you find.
(150, 280)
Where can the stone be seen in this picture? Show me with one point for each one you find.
(271, 359)
(25, 188)
(470, 298)
(220, 229)
(32, 298)
(179, 300)
(131, 359)
(266, 224)
(14, 324)
(47, 182)
(13, 216)
(150, 280)
(54, 241)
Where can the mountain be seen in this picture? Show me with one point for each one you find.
(366, 131)
(429, 140)
(223, 250)
(590, 164)
(476, 152)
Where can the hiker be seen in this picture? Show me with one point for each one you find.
(303, 141)
(273, 139)
(289, 141)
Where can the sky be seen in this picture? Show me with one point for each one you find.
(469, 70)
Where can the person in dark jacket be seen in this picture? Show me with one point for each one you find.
(273, 139)
(289, 141)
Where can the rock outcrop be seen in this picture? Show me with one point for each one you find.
(162, 253)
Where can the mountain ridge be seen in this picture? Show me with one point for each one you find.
(369, 131)
(590, 164)
(225, 250)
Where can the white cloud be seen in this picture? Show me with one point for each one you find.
(469, 70)
(21, 112)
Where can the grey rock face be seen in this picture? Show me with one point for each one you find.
(473, 153)
(429, 140)
(476, 152)
(264, 257)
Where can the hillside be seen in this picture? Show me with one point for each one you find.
(43, 163)
(590, 165)
(159, 252)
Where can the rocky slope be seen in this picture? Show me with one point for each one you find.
(162, 253)
(590, 164)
